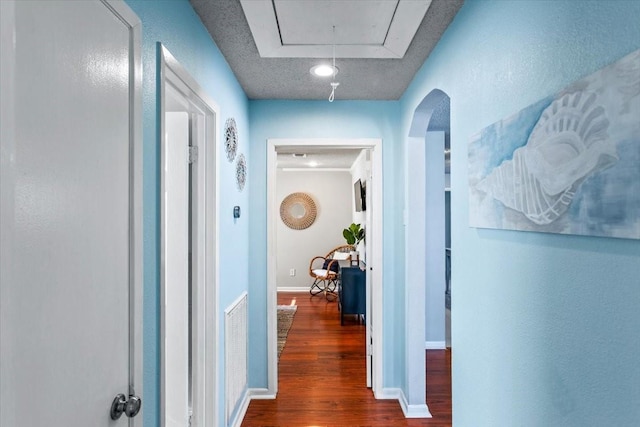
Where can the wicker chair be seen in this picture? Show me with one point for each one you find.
(325, 270)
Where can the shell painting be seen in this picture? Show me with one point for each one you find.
(567, 164)
(569, 143)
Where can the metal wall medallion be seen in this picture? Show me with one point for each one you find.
(230, 138)
(298, 211)
(241, 171)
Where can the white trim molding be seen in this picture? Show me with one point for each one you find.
(410, 411)
(260, 394)
(236, 421)
(249, 395)
(435, 345)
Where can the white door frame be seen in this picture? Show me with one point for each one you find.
(376, 298)
(205, 272)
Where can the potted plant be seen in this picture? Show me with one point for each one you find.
(354, 235)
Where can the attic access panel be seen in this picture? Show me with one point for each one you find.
(371, 29)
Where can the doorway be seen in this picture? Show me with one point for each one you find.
(188, 248)
(428, 148)
(374, 254)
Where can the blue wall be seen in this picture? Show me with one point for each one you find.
(321, 119)
(545, 327)
(176, 25)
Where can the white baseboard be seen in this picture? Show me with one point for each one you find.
(389, 393)
(261, 394)
(414, 411)
(410, 411)
(242, 410)
(249, 395)
(292, 289)
(435, 345)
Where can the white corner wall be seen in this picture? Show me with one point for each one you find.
(332, 191)
(361, 170)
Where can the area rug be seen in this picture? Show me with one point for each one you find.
(285, 319)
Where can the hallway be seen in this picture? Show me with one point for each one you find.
(322, 376)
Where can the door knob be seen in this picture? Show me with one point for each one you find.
(133, 406)
(130, 407)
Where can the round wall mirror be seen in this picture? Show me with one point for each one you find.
(298, 211)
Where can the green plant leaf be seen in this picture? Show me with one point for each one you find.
(349, 237)
(354, 234)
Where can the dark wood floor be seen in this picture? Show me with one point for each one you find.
(322, 378)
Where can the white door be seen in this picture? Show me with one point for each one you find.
(176, 261)
(69, 213)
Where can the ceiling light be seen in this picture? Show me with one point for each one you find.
(313, 163)
(323, 70)
(303, 155)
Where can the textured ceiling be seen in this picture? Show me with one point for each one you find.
(289, 78)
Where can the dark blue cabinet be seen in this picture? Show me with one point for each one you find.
(352, 293)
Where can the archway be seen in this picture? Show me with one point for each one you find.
(425, 239)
